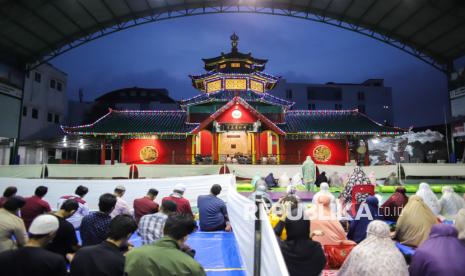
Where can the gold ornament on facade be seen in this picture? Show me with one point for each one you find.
(322, 153)
(148, 154)
(236, 84)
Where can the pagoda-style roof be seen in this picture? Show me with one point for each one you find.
(254, 64)
(226, 96)
(334, 122)
(136, 122)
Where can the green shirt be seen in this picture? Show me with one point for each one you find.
(161, 258)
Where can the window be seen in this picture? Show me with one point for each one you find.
(235, 65)
(361, 108)
(24, 111)
(311, 106)
(37, 77)
(361, 96)
(324, 94)
(52, 83)
(35, 113)
(338, 106)
(59, 86)
(289, 93)
(57, 119)
(49, 117)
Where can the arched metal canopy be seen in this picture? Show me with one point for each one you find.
(39, 30)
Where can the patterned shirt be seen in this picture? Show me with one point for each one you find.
(151, 227)
(94, 228)
(121, 208)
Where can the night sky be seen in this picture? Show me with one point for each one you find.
(163, 54)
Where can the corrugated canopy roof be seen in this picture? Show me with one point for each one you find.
(31, 30)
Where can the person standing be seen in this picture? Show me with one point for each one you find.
(83, 209)
(121, 207)
(11, 225)
(35, 206)
(65, 240)
(106, 258)
(212, 211)
(183, 205)
(151, 226)
(165, 257)
(321, 178)
(33, 259)
(9, 192)
(309, 173)
(94, 226)
(146, 205)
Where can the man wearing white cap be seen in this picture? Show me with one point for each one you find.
(121, 207)
(33, 259)
(183, 205)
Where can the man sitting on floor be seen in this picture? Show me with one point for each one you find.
(145, 205)
(151, 226)
(165, 256)
(35, 206)
(212, 210)
(106, 258)
(121, 207)
(94, 226)
(33, 259)
(83, 209)
(183, 205)
(65, 240)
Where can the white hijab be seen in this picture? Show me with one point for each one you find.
(377, 255)
(324, 190)
(460, 224)
(425, 192)
(450, 202)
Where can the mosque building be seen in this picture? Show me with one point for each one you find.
(234, 118)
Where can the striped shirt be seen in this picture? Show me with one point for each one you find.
(151, 227)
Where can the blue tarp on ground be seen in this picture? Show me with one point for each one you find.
(217, 252)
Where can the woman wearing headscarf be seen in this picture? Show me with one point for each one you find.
(324, 190)
(320, 179)
(460, 224)
(368, 211)
(376, 255)
(415, 222)
(441, 254)
(325, 221)
(450, 202)
(303, 256)
(358, 177)
(393, 206)
(428, 196)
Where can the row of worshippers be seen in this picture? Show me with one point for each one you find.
(319, 240)
(95, 226)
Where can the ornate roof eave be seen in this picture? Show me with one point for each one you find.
(212, 73)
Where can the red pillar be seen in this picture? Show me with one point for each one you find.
(347, 150)
(103, 148)
(367, 154)
(112, 153)
(215, 147)
(257, 148)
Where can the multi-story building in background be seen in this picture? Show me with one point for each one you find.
(370, 97)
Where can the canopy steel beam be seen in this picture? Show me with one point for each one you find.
(234, 8)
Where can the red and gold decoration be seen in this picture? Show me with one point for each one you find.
(322, 153)
(148, 154)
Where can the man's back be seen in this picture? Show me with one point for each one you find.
(183, 205)
(94, 228)
(32, 261)
(34, 207)
(104, 259)
(11, 225)
(151, 227)
(162, 258)
(65, 240)
(144, 206)
(212, 212)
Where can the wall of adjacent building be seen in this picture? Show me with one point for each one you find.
(370, 97)
(45, 99)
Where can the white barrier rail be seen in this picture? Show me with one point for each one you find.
(414, 169)
(249, 171)
(21, 171)
(87, 171)
(135, 188)
(160, 171)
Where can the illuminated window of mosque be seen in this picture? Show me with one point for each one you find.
(235, 65)
(256, 86)
(214, 86)
(236, 84)
(222, 66)
(247, 66)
